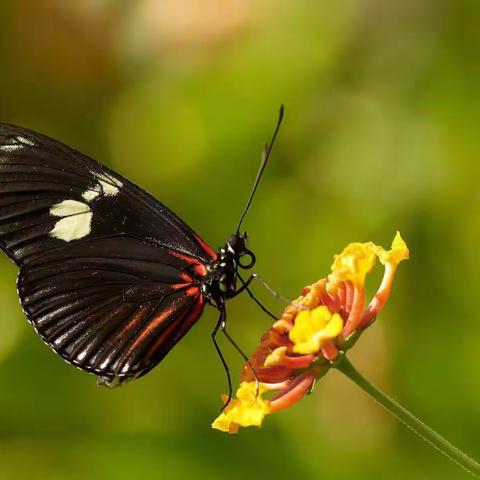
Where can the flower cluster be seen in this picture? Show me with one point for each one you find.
(312, 333)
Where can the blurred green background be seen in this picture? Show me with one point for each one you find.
(381, 133)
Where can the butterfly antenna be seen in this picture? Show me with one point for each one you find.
(265, 156)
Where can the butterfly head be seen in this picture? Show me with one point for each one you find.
(237, 246)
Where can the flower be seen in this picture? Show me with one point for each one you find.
(313, 329)
(313, 333)
(248, 409)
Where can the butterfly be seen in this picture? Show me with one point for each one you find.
(110, 278)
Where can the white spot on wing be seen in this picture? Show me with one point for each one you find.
(75, 222)
(72, 228)
(110, 185)
(68, 207)
(105, 184)
(90, 195)
(17, 143)
(11, 148)
(25, 140)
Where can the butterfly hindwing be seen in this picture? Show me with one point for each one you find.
(109, 277)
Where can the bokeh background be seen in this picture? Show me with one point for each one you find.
(381, 133)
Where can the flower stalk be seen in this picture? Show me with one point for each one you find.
(407, 418)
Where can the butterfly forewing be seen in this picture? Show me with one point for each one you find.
(109, 277)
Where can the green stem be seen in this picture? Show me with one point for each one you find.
(422, 430)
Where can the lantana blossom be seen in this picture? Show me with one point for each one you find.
(312, 333)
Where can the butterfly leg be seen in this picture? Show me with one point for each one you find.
(277, 295)
(247, 361)
(244, 286)
(220, 325)
(269, 288)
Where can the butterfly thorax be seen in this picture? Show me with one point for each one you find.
(220, 283)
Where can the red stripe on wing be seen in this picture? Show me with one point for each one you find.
(211, 253)
(178, 286)
(186, 277)
(155, 323)
(198, 267)
(178, 328)
(200, 270)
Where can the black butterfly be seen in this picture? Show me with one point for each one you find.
(110, 278)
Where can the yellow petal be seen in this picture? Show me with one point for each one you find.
(224, 424)
(248, 409)
(353, 264)
(399, 250)
(276, 357)
(313, 328)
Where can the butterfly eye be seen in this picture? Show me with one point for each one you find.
(250, 255)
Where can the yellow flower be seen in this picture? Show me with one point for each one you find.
(399, 251)
(353, 264)
(358, 259)
(247, 410)
(314, 328)
(313, 332)
(391, 258)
